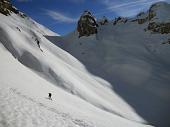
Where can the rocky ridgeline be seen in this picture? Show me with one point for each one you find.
(120, 20)
(144, 17)
(154, 24)
(157, 26)
(87, 24)
(7, 8)
(103, 21)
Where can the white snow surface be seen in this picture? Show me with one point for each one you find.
(28, 72)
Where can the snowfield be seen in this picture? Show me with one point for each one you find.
(105, 80)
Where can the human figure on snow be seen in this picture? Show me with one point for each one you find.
(49, 96)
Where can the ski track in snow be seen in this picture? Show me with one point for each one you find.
(18, 110)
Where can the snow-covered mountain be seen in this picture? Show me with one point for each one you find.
(118, 77)
(133, 57)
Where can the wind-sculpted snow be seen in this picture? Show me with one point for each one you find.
(30, 61)
(7, 43)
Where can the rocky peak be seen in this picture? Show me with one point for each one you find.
(120, 20)
(87, 24)
(159, 18)
(7, 8)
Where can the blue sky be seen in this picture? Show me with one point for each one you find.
(61, 15)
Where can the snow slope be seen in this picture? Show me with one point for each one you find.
(31, 67)
(134, 61)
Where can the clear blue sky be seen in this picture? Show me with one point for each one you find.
(61, 15)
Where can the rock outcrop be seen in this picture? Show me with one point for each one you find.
(6, 7)
(103, 20)
(87, 24)
(120, 20)
(158, 22)
(163, 28)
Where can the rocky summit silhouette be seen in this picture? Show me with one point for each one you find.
(87, 24)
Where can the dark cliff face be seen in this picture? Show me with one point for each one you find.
(87, 24)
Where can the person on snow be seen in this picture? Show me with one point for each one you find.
(49, 96)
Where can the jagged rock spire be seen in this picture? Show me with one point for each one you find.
(87, 24)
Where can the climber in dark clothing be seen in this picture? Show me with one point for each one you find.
(38, 42)
(49, 96)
